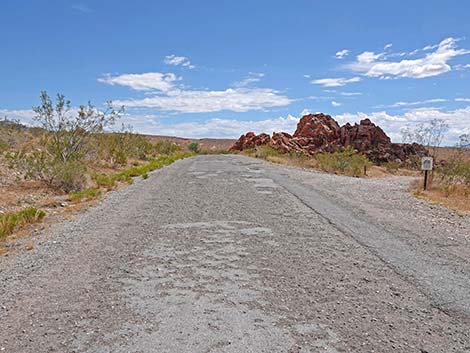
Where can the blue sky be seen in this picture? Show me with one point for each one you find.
(221, 68)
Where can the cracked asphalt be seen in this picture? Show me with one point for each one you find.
(227, 253)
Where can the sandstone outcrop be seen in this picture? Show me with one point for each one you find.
(318, 133)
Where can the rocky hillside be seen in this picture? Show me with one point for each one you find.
(317, 133)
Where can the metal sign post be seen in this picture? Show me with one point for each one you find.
(426, 165)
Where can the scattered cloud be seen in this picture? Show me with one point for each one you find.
(196, 101)
(252, 78)
(81, 8)
(388, 46)
(335, 82)
(342, 54)
(350, 94)
(170, 97)
(335, 104)
(432, 64)
(462, 99)
(461, 67)
(25, 115)
(212, 128)
(458, 120)
(410, 104)
(178, 61)
(307, 76)
(143, 82)
(345, 94)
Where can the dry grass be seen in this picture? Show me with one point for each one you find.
(445, 153)
(458, 200)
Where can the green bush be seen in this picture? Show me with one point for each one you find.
(347, 162)
(265, 151)
(69, 176)
(166, 147)
(40, 165)
(392, 166)
(103, 180)
(194, 147)
(9, 222)
(85, 194)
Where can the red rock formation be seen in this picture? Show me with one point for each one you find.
(317, 133)
(315, 125)
(250, 140)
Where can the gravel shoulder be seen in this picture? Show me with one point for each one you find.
(231, 254)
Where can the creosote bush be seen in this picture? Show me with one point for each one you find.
(347, 162)
(194, 147)
(59, 161)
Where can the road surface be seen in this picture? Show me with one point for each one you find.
(232, 254)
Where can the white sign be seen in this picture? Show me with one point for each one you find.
(426, 163)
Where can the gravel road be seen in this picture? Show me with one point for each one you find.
(232, 254)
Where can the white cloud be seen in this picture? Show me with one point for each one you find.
(178, 61)
(307, 76)
(350, 94)
(195, 101)
(25, 116)
(335, 104)
(342, 54)
(462, 99)
(214, 128)
(174, 98)
(335, 82)
(409, 104)
(432, 64)
(388, 46)
(461, 67)
(252, 78)
(143, 82)
(458, 120)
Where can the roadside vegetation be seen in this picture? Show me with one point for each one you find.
(72, 155)
(449, 182)
(346, 162)
(9, 222)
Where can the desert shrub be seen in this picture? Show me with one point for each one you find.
(68, 133)
(69, 176)
(347, 162)
(166, 147)
(59, 161)
(194, 147)
(12, 134)
(454, 175)
(116, 148)
(39, 165)
(85, 194)
(265, 151)
(9, 222)
(159, 162)
(392, 166)
(105, 181)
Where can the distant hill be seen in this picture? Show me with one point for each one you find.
(206, 144)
